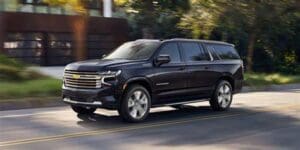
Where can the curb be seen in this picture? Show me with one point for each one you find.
(26, 103)
(285, 87)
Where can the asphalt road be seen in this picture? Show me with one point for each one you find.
(257, 120)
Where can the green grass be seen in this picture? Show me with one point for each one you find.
(262, 79)
(44, 87)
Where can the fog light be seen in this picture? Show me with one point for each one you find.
(66, 99)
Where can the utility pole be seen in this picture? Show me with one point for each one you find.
(107, 8)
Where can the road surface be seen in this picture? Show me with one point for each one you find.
(257, 120)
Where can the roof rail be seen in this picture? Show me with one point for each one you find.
(205, 41)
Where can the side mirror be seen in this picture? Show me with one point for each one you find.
(104, 55)
(162, 59)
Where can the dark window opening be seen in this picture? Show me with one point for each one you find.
(193, 52)
(213, 53)
(172, 50)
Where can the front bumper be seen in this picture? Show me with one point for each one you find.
(104, 97)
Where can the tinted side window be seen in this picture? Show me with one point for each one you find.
(213, 53)
(172, 50)
(193, 52)
(226, 51)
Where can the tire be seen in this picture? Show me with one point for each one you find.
(135, 105)
(222, 96)
(83, 110)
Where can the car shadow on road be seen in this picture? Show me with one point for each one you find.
(250, 128)
(154, 117)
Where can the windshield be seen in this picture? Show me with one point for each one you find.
(135, 50)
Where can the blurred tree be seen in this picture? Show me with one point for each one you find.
(154, 18)
(79, 25)
(201, 19)
(266, 25)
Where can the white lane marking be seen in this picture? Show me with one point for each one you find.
(28, 114)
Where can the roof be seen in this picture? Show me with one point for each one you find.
(147, 40)
(187, 40)
(198, 40)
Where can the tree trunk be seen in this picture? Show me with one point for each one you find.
(148, 21)
(147, 33)
(2, 30)
(80, 34)
(250, 51)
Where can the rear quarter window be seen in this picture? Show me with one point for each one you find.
(225, 51)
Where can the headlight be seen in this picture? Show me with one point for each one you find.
(110, 73)
(108, 76)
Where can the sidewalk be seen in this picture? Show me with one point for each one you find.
(286, 87)
(55, 72)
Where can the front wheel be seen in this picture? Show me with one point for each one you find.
(135, 105)
(222, 96)
(83, 110)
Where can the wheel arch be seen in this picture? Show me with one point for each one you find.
(229, 79)
(140, 81)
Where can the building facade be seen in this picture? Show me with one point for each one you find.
(37, 33)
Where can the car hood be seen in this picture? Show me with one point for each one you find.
(98, 64)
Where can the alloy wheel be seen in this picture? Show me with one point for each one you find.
(224, 96)
(138, 104)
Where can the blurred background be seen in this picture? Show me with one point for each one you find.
(39, 33)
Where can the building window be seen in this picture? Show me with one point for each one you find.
(9, 5)
(56, 10)
(26, 47)
(26, 8)
(60, 47)
(94, 7)
(41, 9)
(91, 4)
(95, 13)
(35, 2)
(1, 5)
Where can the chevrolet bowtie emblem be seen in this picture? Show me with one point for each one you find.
(75, 76)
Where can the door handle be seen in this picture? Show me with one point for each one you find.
(206, 67)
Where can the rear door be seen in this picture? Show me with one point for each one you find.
(198, 65)
(170, 78)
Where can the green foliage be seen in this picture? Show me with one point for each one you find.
(200, 20)
(11, 70)
(289, 64)
(262, 79)
(274, 24)
(10, 62)
(16, 81)
(153, 18)
(75, 5)
(31, 88)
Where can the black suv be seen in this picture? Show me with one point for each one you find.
(147, 73)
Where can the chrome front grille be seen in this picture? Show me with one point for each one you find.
(82, 80)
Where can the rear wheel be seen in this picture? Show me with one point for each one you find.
(135, 105)
(222, 97)
(83, 110)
